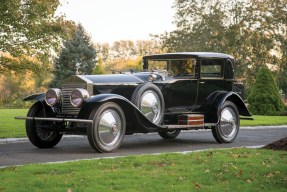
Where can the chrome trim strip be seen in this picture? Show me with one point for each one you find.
(55, 119)
(89, 84)
(134, 84)
(188, 126)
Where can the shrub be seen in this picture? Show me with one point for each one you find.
(264, 98)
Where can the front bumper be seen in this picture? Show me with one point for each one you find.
(55, 119)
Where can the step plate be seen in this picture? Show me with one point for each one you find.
(191, 119)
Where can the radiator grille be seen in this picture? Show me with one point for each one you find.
(67, 107)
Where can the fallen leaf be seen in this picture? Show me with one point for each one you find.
(277, 172)
(207, 171)
(270, 175)
(197, 186)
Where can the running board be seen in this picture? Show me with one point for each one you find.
(204, 126)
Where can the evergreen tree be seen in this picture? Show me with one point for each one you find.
(264, 98)
(77, 51)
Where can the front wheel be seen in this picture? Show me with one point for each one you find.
(108, 129)
(228, 126)
(40, 133)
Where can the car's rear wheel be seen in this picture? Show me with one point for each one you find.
(108, 128)
(149, 100)
(228, 126)
(169, 134)
(40, 133)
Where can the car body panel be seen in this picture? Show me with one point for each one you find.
(201, 92)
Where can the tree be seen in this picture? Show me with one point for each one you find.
(123, 49)
(77, 51)
(29, 28)
(253, 31)
(99, 69)
(264, 98)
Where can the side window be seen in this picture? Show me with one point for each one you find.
(157, 65)
(184, 67)
(211, 68)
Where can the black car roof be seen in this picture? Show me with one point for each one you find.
(181, 55)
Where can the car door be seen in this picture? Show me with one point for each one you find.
(181, 92)
(211, 78)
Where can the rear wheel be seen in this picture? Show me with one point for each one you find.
(228, 127)
(108, 129)
(169, 134)
(38, 132)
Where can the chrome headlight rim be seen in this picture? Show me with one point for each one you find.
(53, 97)
(78, 96)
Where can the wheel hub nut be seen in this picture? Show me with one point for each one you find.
(114, 129)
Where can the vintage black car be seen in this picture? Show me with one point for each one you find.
(174, 92)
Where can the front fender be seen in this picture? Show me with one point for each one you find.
(37, 97)
(214, 102)
(133, 115)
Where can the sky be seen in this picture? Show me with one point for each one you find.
(111, 20)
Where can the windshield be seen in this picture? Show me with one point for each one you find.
(176, 68)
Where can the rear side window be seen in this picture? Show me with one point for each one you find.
(211, 68)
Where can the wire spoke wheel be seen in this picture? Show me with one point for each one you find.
(40, 133)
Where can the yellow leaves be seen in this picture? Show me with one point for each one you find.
(10, 63)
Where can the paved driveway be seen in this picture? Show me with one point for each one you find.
(73, 148)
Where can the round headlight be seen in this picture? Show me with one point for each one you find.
(53, 96)
(78, 96)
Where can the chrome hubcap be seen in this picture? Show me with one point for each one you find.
(109, 127)
(150, 106)
(228, 123)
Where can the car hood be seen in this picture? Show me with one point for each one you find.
(105, 79)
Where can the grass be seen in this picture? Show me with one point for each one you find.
(11, 128)
(264, 121)
(217, 170)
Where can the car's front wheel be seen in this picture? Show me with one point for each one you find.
(41, 133)
(108, 128)
(228, 126)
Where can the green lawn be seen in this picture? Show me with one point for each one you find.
(11, 128)
(216, 170)
(265, 120)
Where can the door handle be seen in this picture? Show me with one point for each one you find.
(201, 82)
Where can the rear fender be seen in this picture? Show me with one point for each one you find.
(214, 102)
